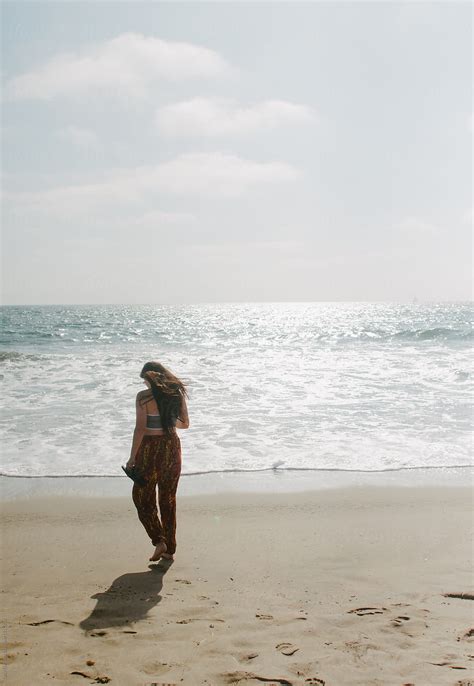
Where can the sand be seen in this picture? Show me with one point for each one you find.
(343, 586)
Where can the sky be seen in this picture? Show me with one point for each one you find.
(185, 152)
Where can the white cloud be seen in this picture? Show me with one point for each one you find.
(211, 175)
(415, 225)
(222, 116)
(296, 255)
(128, 65)
(231, 249)
(157, 218)
(218, 174)
(82, 138)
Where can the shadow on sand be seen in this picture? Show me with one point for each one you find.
(128, 600)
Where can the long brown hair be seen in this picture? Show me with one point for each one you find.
(167, 391)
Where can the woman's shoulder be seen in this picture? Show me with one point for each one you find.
(144, 396)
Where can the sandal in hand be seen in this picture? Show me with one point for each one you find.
(135, 475)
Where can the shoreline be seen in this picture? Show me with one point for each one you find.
(271, 481)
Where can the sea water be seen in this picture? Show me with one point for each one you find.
(277, 386)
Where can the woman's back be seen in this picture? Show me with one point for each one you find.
(154, 424)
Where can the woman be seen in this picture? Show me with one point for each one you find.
(156, 454)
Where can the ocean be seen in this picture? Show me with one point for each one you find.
(272, 386)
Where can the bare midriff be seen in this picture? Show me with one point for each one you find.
(155, 432)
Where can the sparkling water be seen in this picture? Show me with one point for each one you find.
(340, 386)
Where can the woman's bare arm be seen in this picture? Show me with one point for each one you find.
(183, 421)
(139, 431)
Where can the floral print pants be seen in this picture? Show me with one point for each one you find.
(159, 459)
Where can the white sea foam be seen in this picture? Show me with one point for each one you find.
(272, 386)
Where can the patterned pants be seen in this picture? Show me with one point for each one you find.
(159, 458)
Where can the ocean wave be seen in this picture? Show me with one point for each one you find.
(14, 356)
(436, 333)
(461, 375)
(213, 337)
(357, 387)
(225, 325)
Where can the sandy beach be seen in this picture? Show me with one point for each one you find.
(362, 585)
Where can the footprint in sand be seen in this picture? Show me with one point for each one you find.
(315, 680)
(261, 616)
(287, 648)
(460, 596)
(447, 663)
(359, 649)
(6, 658)
(205, 597)
(246, 657)
(363, 611)
(466, 636)
(199, 619)
(399, 621)
(156, 668)
(412, 624)
(97, 679)
(236, 677)
(48, 621)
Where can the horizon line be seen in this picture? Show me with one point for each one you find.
(414, 301)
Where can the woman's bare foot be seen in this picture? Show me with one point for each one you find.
(167, 556)
(159, 550)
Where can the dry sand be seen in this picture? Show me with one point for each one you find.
(344, 586)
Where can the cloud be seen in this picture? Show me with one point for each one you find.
(297, 255)
(256, 248)
(219, 174)
(127, 65)
(198, 174)
(223, 116)
(415, 225)
(82, 138)
(157, 218)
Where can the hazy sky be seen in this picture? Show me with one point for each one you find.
(236, 151)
